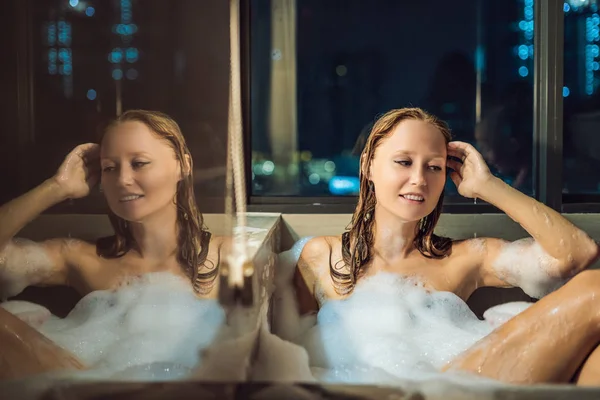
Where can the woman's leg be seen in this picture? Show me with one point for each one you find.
(24, 351)
(589, 374)
(548, 342)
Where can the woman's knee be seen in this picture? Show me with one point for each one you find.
(586, 284)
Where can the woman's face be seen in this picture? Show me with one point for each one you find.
(408, 170)
(140, 171)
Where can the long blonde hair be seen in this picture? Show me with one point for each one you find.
(193, 238)
(357, 242)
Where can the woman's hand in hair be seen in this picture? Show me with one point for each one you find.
(471, 172)
(80, 171)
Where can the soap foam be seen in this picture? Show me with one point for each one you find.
(22, 261)
(31, 313)
(153, 329)
(525, 264)
(391, 329)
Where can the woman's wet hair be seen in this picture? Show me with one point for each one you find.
(193, 237)
(357, 242)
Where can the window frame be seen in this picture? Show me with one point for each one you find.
(547, 129)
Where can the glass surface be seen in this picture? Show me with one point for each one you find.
(322, 71)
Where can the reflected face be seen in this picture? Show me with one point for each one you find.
(140, 171)
(409, 170)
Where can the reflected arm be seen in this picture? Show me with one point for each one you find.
(22, 262)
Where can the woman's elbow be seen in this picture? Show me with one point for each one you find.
(585, 254)
(592, 252)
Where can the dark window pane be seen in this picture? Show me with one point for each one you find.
(322, 72)
(581, 95)
(90, 60)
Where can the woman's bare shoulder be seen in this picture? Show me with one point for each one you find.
(321, 247)
(471, 250)
(70, 250)
(25, 262)
(318, 254)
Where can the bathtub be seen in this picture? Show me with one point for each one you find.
(456, 226)
(233, 379)
(243, 320)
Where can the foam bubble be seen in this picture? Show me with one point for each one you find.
(31, 313)
(390, 330)
(154, 328)
(499, 314)
(22, 262)
(525, 264)
(393, 325)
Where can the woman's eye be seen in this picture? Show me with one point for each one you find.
(405, 163)
(139, 164)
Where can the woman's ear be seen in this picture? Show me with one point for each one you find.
(186, 166)
(365, 166)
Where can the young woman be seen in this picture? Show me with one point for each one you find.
(403, 170)
(145, 170)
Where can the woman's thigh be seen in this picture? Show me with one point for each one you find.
(24, 351)
(547, 342)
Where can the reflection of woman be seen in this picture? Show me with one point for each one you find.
(452, 93)
(509, 156)
(403, 171)
(504, 136)
(146, 176)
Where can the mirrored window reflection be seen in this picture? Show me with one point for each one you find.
(92, 60)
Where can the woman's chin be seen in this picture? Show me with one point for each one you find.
(131, 216)
(412, 213)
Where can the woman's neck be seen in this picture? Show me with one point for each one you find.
(393, 238)
(156, 236)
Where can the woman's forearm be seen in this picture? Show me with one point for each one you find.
(18, 212)
(557, 236)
